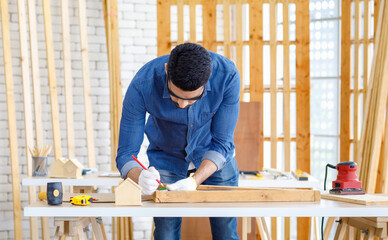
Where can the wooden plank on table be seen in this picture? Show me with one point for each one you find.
(256, 63)
(181, 30)
(226, 17)
(263, 195)
(302, 99)
(247, 136)
(357, 77)
(27, 109)
(193, 22)
(86, 83)
(13, 145)
(239, 44)
(52, 79)
(209, 10)
(365, 199)
(163, 28)
(345, 81)
(67, 79)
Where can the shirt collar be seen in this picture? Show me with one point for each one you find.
(165, 92)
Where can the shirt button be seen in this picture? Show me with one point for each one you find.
(191, 125)
(189, 137)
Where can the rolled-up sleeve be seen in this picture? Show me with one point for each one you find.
(223, 124)
(131, 128)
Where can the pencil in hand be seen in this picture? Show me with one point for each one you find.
(161, 184)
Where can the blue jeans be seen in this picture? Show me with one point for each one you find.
(223, 228)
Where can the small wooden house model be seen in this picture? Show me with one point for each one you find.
(128, 193)
(66, 168)
(72, 169)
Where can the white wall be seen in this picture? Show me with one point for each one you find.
(137, 22)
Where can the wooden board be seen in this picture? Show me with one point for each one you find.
(366, 199)
(259, 195)
(247, 136)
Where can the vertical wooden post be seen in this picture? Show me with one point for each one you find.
(256, 61)
(164, 27)
(366, 49)
(209, 25)
(193, 22)
(181, 30)
(37, 95)
(13, 145)
(286, 104)
(303, 99)
(67, 79)
(356, 92)
(86, 81)
(227, 30)
(239, 43)
(345, 81)
(52, 79)
(27, 109)
(116, 98)
(273, 93)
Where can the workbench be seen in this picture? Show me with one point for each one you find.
(324, 208)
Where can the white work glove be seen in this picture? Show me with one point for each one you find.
(187, 184)
(147, 181)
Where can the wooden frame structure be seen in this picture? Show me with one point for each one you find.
(255, 86)
(36, 105)
(354, 86)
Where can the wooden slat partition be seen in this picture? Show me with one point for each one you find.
(255, 86)
(303, 99)
(209, 27)
(29, 134)
(256, 63)
(10, 96)
(360, 79)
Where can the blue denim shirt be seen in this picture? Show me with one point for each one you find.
(179, 136)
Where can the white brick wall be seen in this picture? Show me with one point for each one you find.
(137, 22)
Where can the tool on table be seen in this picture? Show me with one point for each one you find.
(54, 193)
(300, 175)
(81, 200)
(39, 160)
(256, 174)
(276, 173)
(146, 169)
(346, 182)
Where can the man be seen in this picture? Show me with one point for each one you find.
(192, 97)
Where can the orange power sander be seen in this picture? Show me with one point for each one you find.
(346, 182)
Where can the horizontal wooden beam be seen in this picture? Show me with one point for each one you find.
(217, 195)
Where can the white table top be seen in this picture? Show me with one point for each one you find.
(86, 180)
(95, 180)
(325, 208)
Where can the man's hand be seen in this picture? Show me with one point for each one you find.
(187, 184)
(147, 181)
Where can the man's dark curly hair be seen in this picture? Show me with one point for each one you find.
(189, 66)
